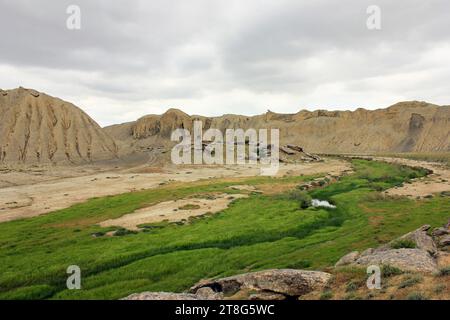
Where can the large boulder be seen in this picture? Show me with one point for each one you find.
(349, 258)
(286, 282)
(415, 260)
(162, 296)
(440, 232)
(420, 238)
(444, 240)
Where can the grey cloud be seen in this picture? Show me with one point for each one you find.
(205, 51)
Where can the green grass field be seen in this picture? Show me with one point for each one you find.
(259, 232)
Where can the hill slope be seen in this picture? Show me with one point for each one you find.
(37, 128)
(404, 127)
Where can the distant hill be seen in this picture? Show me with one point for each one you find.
(37, 128)
(404, 127)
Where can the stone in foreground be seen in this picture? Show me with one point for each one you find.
(286, 282)
(162, 296)
(415, 260)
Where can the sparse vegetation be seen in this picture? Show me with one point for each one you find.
(352, 286)
(416, 296)
(444, 271)
(439, 288)
(403, 243)
(326, 295)
(389, 271)
(410, 281)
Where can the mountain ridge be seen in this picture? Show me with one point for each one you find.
(38, 128)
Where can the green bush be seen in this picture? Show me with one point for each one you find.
(326, 295)
(416, 296)
(389, 271)
(303, 199)
(439, 288)
(351, 286)
(403, 243)
(302, 264)
(410, 281)
(444, 271)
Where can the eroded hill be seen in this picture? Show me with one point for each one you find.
(37, 128)
(404, 127)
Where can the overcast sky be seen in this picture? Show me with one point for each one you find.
(209, 57)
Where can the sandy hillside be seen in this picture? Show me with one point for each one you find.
(37, 128)
(406, 126)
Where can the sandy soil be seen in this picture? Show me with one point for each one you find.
(61, 189)
(173, 211)
(436, 182)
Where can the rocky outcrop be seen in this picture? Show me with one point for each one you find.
(421, 258)
(161, 125)
(275, 284)
(420, 238)
(444, 241)
(416, 260)
(279, 282)
(347, 259)
(162, 296)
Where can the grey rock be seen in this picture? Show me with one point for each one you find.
(445, 240)
(440, 232)
(288, 282)
(267, 296)
(347, 259)
(367, 252)
(162, 296)
(415, 260)
(34, 93)
(422, 240)
(207, 293)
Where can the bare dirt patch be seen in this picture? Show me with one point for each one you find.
(64, 187)
(436, 182)
(173, 211)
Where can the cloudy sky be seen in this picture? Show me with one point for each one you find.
(212, 57)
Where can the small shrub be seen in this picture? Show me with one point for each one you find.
(410, 281)
(303, 199)
(389, 271)
(444, 271)
(439, 288)
(416, 296)
(351, 286)
(352, 296)
(302, 264)
(326, 295)
(403, 243)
